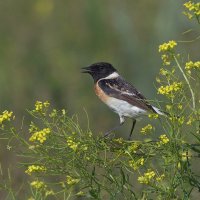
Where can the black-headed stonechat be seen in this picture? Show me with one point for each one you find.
(122, 97)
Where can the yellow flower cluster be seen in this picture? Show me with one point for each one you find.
(167, 73)
(146, 129)
(33, 128)
(136, 164)
(72, 181)
(168, 46)
(54, 113)
(133, 147)
(193, 9)
(164, 72)
(40, 136)
(72, 144)
(147, 177)
(5, 116)
(42, 186)
(166, 59)
(192, 65)
(35, 168)
(41, 106)
(153, 116)
(38, 184)
(164, 139)
(168, 89)
(179, 120)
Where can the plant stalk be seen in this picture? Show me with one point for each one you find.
(187, 81)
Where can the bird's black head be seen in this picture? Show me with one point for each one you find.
(99, 70)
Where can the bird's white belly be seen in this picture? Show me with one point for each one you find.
(125, 109)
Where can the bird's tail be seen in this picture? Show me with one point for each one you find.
(161, 112)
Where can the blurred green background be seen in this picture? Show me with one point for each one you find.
(44, 43)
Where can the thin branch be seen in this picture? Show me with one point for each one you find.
(187, 81)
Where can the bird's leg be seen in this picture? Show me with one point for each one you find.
(132, 128)
(116, 127)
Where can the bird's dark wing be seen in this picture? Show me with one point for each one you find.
(120, 89)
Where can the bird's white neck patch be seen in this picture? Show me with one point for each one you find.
(111, 76)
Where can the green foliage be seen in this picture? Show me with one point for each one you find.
(66, 162)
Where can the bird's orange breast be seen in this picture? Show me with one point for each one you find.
(100, 93)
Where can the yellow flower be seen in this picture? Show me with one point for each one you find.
(35, 168)
(179, 120)
(41, 107)
(40, 136)
(189, 5)
(5, 116)
(189, 15)
(38, 106)
(38, 184)
(153, 115)
(72, 144)
(166, 60)
(164, 72)
(133, 147)
(147, 177)
(46, 104)
(33, 128)
(141, 161)
(168, 89)
(193, 9)
(164, 139)
(72, 181)
(166, 47)
(53, 114)
(136, 164)
(192, 65)
(146, 129)
(63, 112)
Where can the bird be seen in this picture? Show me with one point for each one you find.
(119, 95)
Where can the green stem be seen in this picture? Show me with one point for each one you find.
(187, 81)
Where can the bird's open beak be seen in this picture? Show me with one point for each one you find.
(86, 70)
